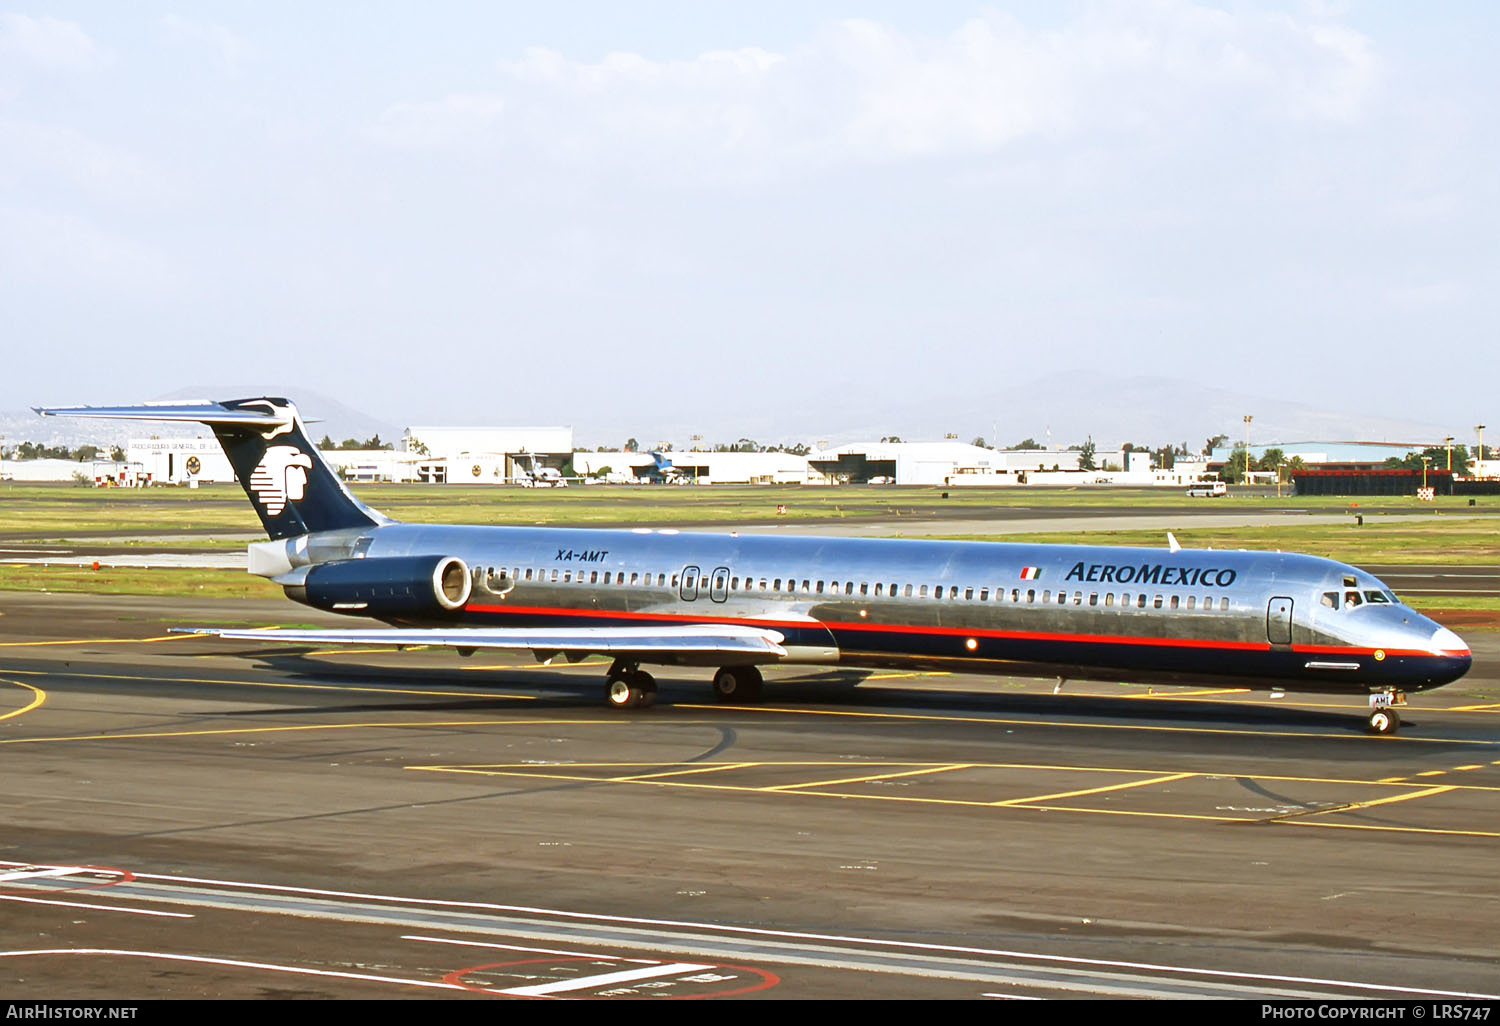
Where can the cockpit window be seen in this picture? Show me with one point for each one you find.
(1352, 599)
(1377, 596)
(1331, 599)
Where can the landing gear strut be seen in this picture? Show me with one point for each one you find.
(1383, 716)
(738, 684)
(629, 687)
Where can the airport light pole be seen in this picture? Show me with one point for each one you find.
(1425, 460)
(1448, 443)
(1479, 470)
(1248, 418)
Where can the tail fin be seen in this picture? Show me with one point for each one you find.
(292, 489)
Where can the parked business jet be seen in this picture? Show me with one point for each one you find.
(735, 604)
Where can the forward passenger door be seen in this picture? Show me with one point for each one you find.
(1279, 621)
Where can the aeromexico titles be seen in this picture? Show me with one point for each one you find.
(735, 604)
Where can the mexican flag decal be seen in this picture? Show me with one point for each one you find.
(1030, 573)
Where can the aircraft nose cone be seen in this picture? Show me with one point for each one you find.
(1453, 658)
(1445, 642)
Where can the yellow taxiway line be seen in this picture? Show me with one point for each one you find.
(37, 698)
(98, 641)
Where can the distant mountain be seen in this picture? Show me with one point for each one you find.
(1064, 408)
(1155, 410)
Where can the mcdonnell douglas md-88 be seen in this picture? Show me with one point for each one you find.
(735, 604)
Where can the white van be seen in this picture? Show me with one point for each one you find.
(1207, 490)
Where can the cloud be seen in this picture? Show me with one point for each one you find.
(231, 49)
(47, 44)
(41, 158)
(866, 91)
(453, 119)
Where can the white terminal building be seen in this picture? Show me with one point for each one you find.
(178, 460)
(483, 455)
(957, 464)
(695, 467)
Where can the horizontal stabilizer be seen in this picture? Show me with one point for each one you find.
(259, 417)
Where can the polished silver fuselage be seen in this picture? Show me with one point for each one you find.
(1257, 618)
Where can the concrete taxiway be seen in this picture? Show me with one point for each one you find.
(191, 817)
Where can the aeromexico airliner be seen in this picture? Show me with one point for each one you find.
(661, 597)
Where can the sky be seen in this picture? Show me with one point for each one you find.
(651, 216)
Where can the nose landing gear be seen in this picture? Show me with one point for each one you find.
(1383, 716)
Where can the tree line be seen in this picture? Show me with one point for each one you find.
(83, 454)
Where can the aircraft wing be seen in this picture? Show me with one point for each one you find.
(743, 644)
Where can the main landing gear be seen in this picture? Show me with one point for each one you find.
(1383, 716)
(738, 684)
(629, 687)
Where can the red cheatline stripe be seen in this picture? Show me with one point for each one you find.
(964, 632)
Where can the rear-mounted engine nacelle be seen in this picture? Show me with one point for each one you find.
(388, 586)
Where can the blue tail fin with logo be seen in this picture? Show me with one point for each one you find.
(292, 489)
